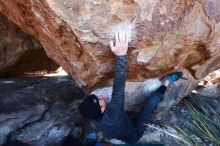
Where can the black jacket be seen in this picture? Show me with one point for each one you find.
(115, 122)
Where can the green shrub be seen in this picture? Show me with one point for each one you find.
(200, 124)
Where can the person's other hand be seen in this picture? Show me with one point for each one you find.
(121, 43)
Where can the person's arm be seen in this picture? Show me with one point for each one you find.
(116, 105)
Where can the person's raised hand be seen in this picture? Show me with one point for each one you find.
(121, 43)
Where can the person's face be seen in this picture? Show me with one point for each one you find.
(102, 103)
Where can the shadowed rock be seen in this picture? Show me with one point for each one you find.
(39, 111)
(21, 53)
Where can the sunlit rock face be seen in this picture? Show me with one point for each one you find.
(166, 36)
(21, 53)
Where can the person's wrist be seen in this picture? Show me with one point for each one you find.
(121, 55)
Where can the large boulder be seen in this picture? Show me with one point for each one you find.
(166, 36)
(21, 53)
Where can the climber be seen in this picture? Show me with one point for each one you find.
(110, 118)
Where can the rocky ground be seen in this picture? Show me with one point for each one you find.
(41, 111)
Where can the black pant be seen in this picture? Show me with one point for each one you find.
(145, 114)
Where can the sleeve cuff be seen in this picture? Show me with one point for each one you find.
(121, 57)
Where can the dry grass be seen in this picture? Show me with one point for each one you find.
(199, 127)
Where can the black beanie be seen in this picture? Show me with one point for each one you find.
(90, 107)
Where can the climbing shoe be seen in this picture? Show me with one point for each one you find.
(172, 77)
